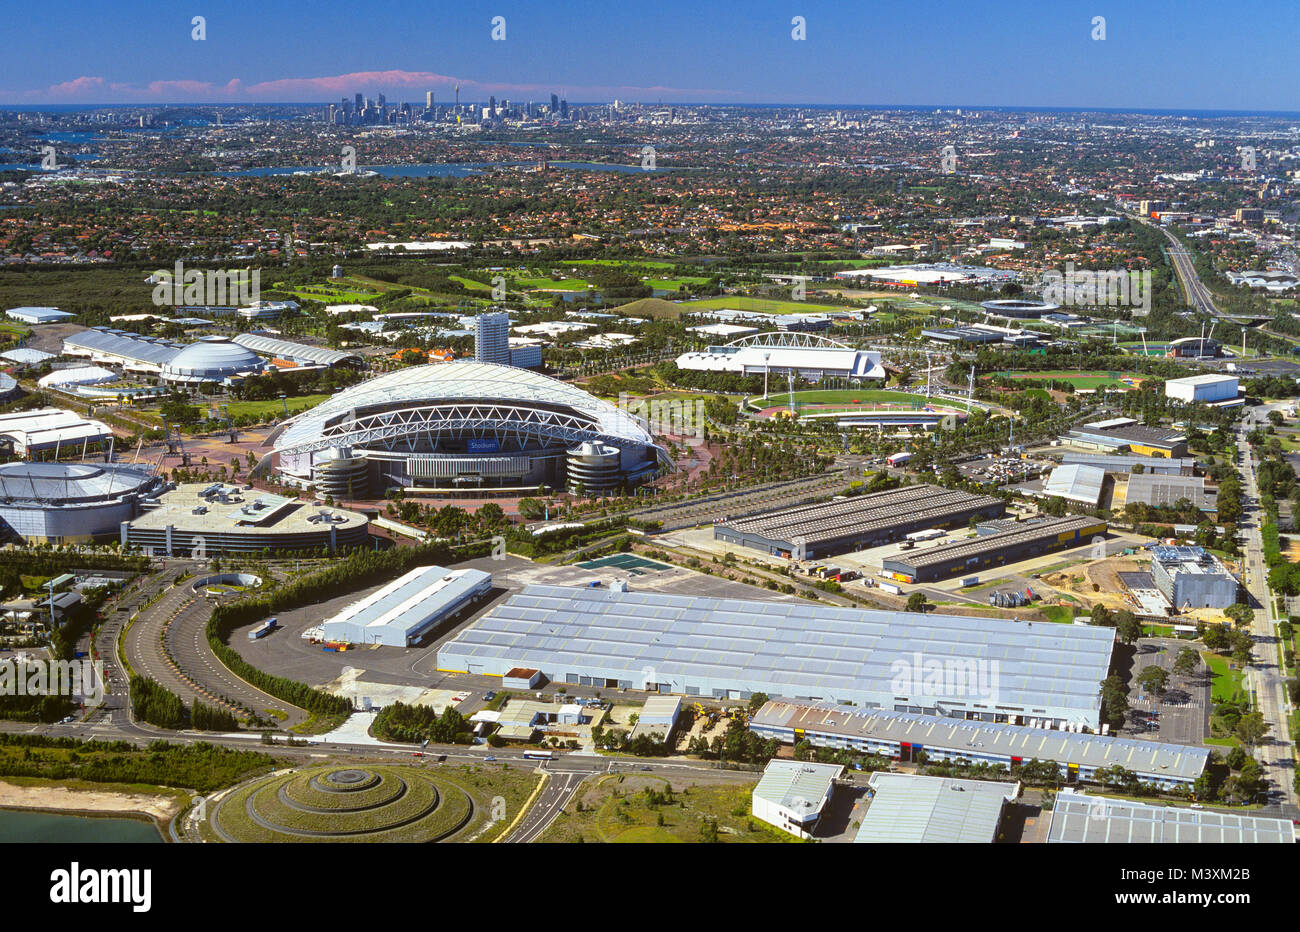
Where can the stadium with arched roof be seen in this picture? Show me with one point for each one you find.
(460, 425)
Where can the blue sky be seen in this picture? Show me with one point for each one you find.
(1188, 54)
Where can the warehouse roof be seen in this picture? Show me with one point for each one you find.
(790, 648)
(1124, 463)
(1078, 817)
(1077, 483)
(151, 350)
(1208, 379)
(915, 809)
(988, 738)
(43, 427)
(1166, 490)
(859, 515)
(1021, 534)
(798, 786)
(409, 601)
(26, 355)
(285, 349)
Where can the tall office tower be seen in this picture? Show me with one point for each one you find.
(382, 101)
(345, 106)
(492, 337)
(358, 103)
(428, 100)
(555, 103)
(564, 109)
(492, 106)
(329, 114)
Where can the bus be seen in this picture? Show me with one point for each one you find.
(539, 755)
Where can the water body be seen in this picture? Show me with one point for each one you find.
(24, 826)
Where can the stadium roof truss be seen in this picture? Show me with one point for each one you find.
(797, 338)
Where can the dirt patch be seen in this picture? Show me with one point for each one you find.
(1079, 581)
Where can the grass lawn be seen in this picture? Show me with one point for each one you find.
(674, 284)
(551, 284)
(1061, 614)
(273, 406)
(1079, 379)
(1228, 676)
(867, 397)
(615, 263)
(761, 305)
(617, 809)
(469, 283)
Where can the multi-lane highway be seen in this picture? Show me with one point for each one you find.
(1266, 679)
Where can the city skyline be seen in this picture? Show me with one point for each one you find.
(1163, 57)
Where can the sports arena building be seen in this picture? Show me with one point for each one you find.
(801, 355)
(71, 502)
(464, 424)
(209, 359)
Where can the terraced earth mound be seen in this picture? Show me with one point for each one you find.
(346, 804)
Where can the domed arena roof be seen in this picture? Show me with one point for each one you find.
(479, 392)
(211, 359)
(72, 483)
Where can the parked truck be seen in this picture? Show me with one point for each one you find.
(891, 588)
(263, 629)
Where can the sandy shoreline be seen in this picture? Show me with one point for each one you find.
(60, 799)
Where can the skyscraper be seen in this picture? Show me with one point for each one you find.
(555, 103)
(492, 337)
(428, 100)
(358, 103)
(564, 109)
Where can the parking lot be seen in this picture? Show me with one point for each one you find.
(410, 674)
(1182, 715)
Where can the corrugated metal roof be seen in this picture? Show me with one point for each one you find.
(1149, 758)
(933, 810)
(285, 349)
(788, 648)
(1077, 483)
(798, 786)
(151, 350)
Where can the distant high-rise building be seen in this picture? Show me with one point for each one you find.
(428, 100)
(555, 103)
(358, 103)
(492, 337)
(564, 109)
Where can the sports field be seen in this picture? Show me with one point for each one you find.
(760, 305)
(1083, 379)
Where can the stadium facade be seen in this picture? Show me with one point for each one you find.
(462, 424)
(60, 503)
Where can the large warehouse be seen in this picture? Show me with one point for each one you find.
(61, 503)
(458, 425)
(1025, 540)
(1152, 489)
(400, 613)
(1204, 389)
(913, 809)
(220, 518)
(1125, 434)
(858, 522)
(989, 668)
(904, 735)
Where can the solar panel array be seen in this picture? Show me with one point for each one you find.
(1077, 817)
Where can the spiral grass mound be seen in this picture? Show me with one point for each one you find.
(348, 804)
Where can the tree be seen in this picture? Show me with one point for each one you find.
(1215, 637)
(1114, 701)
(916, 602)
(1154, 679)
(1187, 662)
(1127, 626)
(1101, 616)
(1251, 728)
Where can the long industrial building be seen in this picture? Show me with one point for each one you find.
(904, 735)
(285, 354)
(400, 613)
(803, 356)
(1152, 489)
(216, 518)
(914, 809)
(1122, 434)
(732, 648)
(1027, 539)
(208, 359)
(460, 425)
(858, 522)
(1082, 819)
(1123, 465)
